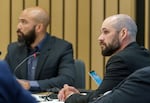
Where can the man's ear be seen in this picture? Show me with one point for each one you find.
(123, 33)
(39, 27)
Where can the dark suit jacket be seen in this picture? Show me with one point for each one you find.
(118, 67)
(10, 89)
(134, 89)
(55, 65)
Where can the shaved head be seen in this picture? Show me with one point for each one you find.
(39, 15)
(120, 21)
(32, 26)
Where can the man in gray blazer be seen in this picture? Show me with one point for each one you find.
(38, 60)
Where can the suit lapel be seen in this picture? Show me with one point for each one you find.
(44, 53)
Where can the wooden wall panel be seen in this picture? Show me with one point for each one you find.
(147, 24)
(16, 9)
(4, 26)
(44, 4)
(97, 59)
(29, 3)
(70, 28)
(83, 41)
(57, 18)
(111, 7)
(126, 7)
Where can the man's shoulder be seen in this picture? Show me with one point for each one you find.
(132, 50)
(60, 40)
(14, 44)
(126, 54)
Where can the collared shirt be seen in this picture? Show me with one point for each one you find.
(32, 64)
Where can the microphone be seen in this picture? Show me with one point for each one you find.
(24, 60)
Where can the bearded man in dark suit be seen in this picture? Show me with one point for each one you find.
(118, 40)
(39, 60)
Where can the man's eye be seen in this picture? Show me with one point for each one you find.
(23, 22)
(106, 32)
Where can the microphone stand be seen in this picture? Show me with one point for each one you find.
(24, 60)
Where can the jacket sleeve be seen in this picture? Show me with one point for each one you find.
(77, 98)
(134, 89)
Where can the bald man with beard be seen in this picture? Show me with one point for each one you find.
(39, 60)
(118, 40)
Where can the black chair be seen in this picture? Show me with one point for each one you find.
(80, 74)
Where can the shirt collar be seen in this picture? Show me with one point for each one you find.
(39, 46)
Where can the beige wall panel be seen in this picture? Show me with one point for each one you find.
(4, 26)
(46, 5)
(70, 23)
(111, 7)
(127, 7)
(97, 58)
(17, 6)
(57, 18)
(30, 3)
(147, 25)
(84, 34)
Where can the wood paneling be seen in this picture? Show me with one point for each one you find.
(84, 33)
(57, 18)
(29, 3)
(111, 7)
(4, 26)
(16, 9)
(70, 22)
(147, 24)
(127, 7)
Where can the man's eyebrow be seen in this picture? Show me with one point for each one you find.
(103, 28)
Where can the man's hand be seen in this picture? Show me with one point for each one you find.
(67, 91)
(25, 84)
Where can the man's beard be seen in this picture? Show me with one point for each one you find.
(111, 48)
(27, 39)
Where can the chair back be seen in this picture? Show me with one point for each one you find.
(80, 74)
